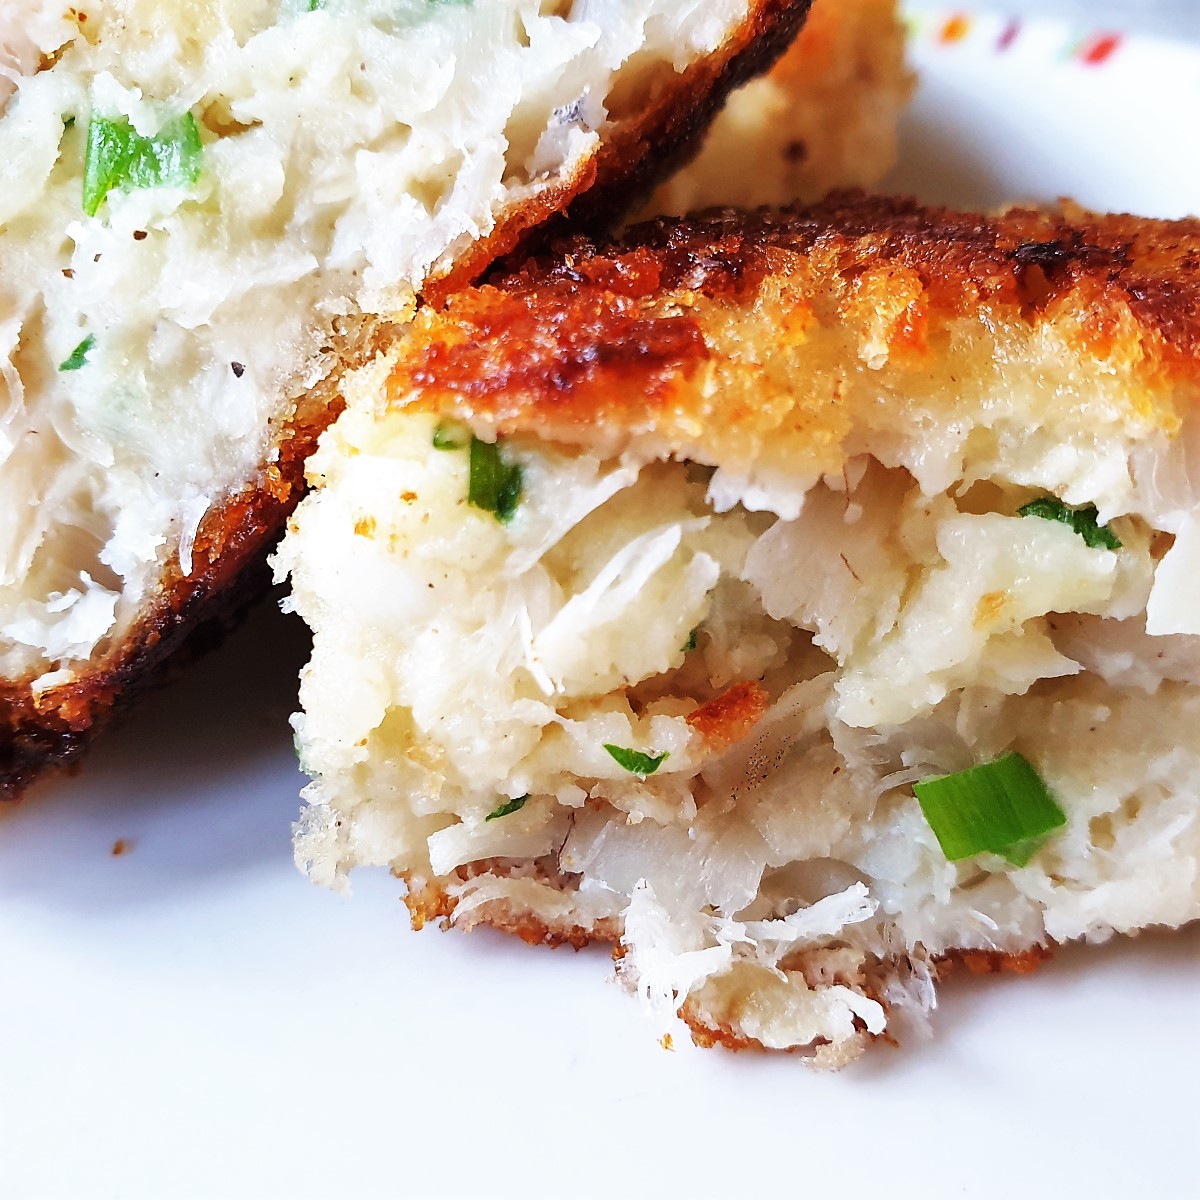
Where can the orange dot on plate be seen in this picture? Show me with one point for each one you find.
(955, 29)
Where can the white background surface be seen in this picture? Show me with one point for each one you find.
(192, 1018)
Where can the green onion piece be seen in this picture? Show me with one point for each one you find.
(635, 761)
(120, 157)
(1001, 806)
(495, 483)
(690, 644)
(1082, 520)
(78, 356)
(508, 807)
(451, 435)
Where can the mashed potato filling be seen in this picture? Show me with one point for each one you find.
(347, 149)
(697, 726)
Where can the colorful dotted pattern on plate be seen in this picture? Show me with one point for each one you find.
(953, 28)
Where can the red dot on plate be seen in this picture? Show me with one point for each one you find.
(1099, 49)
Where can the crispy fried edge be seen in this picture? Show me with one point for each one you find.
(190, 615)
(428, 901)
(606, 338)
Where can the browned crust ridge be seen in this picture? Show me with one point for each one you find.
(49, 730)
(608, 338)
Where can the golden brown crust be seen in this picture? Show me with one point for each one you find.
(707, 1034)
(996, 962)
(50, 729)
(425, 900)
(645, 335)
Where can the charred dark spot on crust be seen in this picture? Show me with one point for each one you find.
(1069, 252)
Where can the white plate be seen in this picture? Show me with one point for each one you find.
(1013, 110)
(191, 1018)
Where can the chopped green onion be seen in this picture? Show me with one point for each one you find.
(1082, 520)
(495, 484)
(635, 762)
(690, 644)
(78, 356)
(120, 157)
(451, 435)
(1001, 806)
(508, 807)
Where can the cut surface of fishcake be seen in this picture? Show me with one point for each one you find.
(794, 599)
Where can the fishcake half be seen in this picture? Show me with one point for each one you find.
(794, 599)
(204, 212)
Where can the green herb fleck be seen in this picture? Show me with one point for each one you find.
(313, 5)
(120, 157)
(451, 435)
(1001, 806)
(635, 762)
(1082, 520)
(507, 808)
(495, 483)
(690, 644)
(78, 356)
